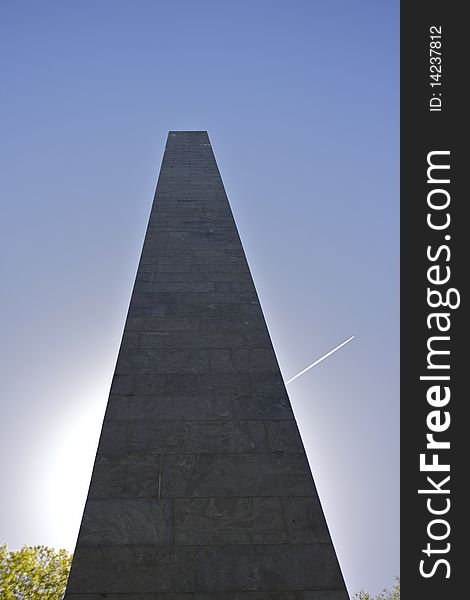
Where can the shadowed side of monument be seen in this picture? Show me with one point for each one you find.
(201, 488)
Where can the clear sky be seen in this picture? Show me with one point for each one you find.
(300, 100)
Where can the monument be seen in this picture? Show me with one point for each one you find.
(201, 488)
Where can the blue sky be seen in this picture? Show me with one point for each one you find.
(300, 100)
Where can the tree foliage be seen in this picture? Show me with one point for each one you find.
(393, 594)
(33, 573)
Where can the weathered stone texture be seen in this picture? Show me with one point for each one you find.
(201, 489)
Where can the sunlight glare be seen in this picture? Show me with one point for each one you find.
(70, 471)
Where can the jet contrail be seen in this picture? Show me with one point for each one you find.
(320, 359)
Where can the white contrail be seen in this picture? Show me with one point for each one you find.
(320, 359)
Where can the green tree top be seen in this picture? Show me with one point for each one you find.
(33, 573)
(393, 594)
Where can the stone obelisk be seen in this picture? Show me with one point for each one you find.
(201, 488)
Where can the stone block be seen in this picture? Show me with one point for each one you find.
(163, 360)
(150, 596)
(305, 520)
(110, 522)
(122, 385)
(285, 595)
(196, 437)
(191, 339)
(283, 436)
(326, 595)
(126, 476)
(185, 384)
(244, 359)
(208, 475)
(132, 569)
(168, 407)
(162, 325)
(266, 568)
(114, 437)
(229, 521)
(252, 406)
